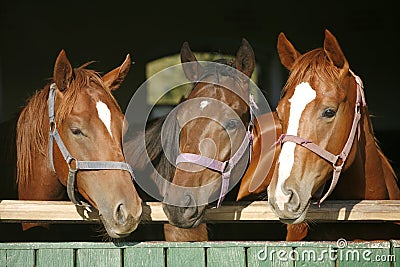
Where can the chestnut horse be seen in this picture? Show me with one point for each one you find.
(204, 127)
(210, 133)
(328, 134)
(69, 136)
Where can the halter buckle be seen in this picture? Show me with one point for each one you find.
(70, 161)
(53, 125)
(338, 168)
(226, 167)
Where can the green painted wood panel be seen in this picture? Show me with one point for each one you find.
(268, 255)
(20, 257)
(314, 256)
(3, 254)
(377, 254)
(99, 257)
(202, 254)
(226, 256)
(61, 257)
(144, 256)
(395, 251)
(180, 257)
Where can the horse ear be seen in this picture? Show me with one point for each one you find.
(287, 53)
(245, 59)
(62, 71)
(113, 79)
(192, 71)
(334, 52)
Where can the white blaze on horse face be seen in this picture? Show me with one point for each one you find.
(302, 96)
(204, 104)
(104, 115)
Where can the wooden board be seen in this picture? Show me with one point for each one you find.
(63, 257)
(204, 254)
(66, 212)
(98, 257)
(186, 256)
(227, 256)
(144, 256)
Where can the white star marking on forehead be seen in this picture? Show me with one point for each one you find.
(104, 114)
(204, 104)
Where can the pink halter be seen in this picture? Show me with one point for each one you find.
(334, 159)
(224, 167)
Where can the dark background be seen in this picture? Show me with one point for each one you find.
(32, 33)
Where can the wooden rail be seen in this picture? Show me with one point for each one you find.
(64, 211)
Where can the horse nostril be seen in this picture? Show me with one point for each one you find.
(188, 200)
(189, 212)
(121, 214)
(294, 201)
(190, 209)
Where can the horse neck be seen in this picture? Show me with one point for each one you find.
(370, 175)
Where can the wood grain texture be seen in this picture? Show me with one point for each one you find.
(193, 257)
(48, 257)
(172, 254)
(19, 257)
(66, 212)
(99, 257)
(226, 256)
(144, 256)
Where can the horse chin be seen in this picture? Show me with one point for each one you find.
(294, 221)
(189, 224)
(119, 232)
(177, 216)
(299, 218)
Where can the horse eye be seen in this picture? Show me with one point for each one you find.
(329, 113)
(231, 125)
(76, 131)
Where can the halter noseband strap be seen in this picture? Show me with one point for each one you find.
(224, 167)
(79, 165)
(336, 160)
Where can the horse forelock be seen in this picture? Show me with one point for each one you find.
(82, 79)
(310, 66)
(224, 69)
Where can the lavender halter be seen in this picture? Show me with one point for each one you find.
(79, 165)
(224, 167)
(337, 160)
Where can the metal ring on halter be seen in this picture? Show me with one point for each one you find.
(53, 126)
(226, 167)
(338, 167)
(70, 160)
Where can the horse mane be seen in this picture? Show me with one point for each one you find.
(32, 126)
(135, 152)
(385, 161)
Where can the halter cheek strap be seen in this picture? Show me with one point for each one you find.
(224, 167)
(79, 165)
(337, 161)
